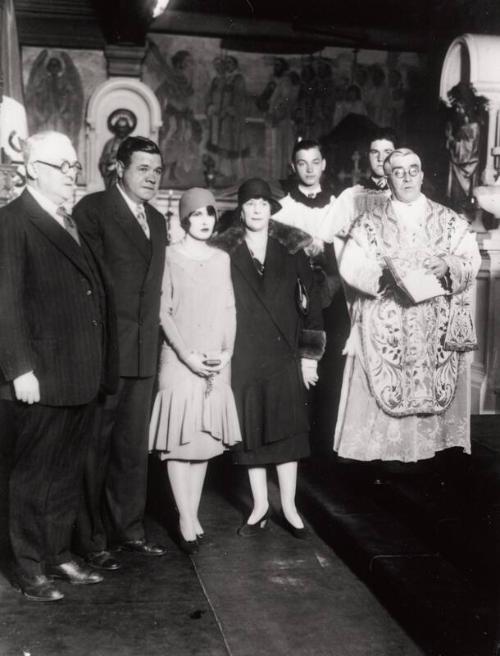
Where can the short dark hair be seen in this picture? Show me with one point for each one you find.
(132, 145)
(186, 221)
(306, 144)
(386, 133)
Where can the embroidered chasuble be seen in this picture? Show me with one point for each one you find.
(406, 358)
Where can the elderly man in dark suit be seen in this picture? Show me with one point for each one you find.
(130, 236)
(56, 353)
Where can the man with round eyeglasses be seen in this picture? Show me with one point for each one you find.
(56, 355)
(407, 361)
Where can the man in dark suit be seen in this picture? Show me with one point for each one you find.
(56, 350)
(130, 236)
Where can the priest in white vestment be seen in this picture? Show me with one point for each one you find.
(406, 386)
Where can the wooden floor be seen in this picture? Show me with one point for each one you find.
(376, 579)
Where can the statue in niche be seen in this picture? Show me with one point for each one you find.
(466, 114)
(54, 95)
(121, 123)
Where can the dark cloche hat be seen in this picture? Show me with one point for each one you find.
(257, 188)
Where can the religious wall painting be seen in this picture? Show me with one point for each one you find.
(229, 115)
(54, 95)
(57, 87)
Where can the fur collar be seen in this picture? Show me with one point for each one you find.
(292, 239)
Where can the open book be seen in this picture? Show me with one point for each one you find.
(418, 284)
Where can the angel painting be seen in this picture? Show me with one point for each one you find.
(181, 133)
(54, 95)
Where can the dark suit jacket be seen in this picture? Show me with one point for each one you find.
(55, 316)
(135, 265)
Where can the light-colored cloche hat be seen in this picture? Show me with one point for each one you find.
(194, 198)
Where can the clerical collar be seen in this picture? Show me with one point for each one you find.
(372, 183)
(321, 199)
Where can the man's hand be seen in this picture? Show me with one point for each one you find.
(309, 372)
(27, 388)
(437, 266)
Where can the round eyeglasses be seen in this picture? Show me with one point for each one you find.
(400, 172)
(65, 166)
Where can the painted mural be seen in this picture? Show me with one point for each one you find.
(228, 115)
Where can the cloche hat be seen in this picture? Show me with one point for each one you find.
(194, 198)
(257, 188)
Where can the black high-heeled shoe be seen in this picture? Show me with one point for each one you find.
(299, 533)
(248, 530)
(189, 547)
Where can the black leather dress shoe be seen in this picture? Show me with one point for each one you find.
(74, 573)
(103, 560)
(39, 588)
(144, 548)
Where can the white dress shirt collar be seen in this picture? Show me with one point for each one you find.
(131, 204)
(46, 204)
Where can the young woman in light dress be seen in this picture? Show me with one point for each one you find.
(194, 417)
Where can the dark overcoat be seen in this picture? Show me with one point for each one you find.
(272, 335)
(56, 316)
(135, 265)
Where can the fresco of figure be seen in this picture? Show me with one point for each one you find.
(180, 136)
(279, 100)
(54, 95)
(121, 123)
(226, 109)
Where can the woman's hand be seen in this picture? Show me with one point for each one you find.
(437, 266)
(223, 357)
(316, 247)
(196, 362)
(309, 370)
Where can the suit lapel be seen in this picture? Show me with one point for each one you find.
(243, 261)
(275, 265)
(266, 288)
(55, 232)
(157, 241)
(128, 223)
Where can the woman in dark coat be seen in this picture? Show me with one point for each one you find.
(279, 340)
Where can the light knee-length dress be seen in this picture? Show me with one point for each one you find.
(195, 418)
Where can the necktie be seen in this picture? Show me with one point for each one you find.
(140, 215)
(68, 223)
(311, 195)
